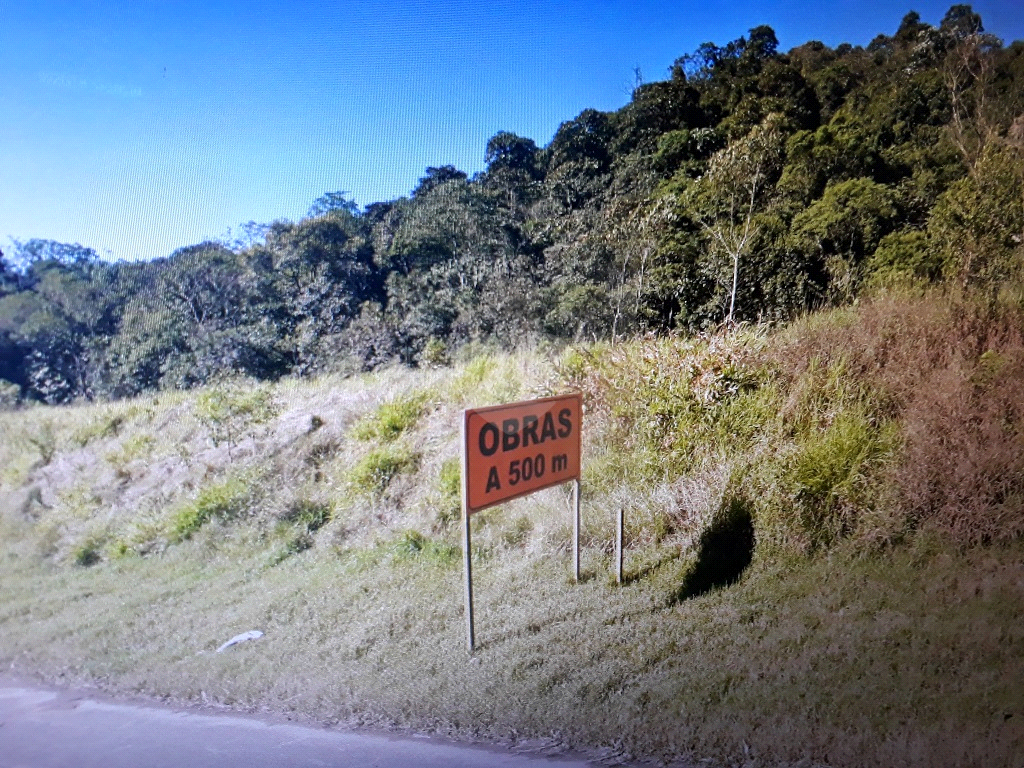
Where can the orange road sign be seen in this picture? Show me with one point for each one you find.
(512, 450)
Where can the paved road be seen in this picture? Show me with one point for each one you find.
(42, 728)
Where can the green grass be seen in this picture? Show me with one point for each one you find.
(308, 514)
(843, 660)
(393, 418)
(374, 472)
(224, 500)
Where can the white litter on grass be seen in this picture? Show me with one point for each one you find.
(252, 634)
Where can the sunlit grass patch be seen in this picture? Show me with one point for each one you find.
(374, 472)
(224, 500)
(392, 418)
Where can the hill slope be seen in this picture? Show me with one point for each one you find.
(876, 453)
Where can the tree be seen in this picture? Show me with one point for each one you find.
(512, 167)
(978, 223)
(578, 159)
(332, 201)
(209, 312)
(322, 272)
(247, 235)
(437, 176)
(8, 278)
(38, 251)
(969, 70)
(10, 355)
(61, 323)
(961, 22)
(844, 227)
(725, 200)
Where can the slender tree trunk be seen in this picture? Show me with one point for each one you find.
(735, 280)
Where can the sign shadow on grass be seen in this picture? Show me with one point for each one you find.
(724, 550)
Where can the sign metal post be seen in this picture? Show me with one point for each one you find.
(618, 546)
(467, 556)
(576, 530)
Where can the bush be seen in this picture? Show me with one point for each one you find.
(434, 354)
(374, 472)
(223, 501)
(668, 401)
(963, 465)
(393, 418)
(412, 545)
(309, 515)
(904, 259)
(228, 409)
(10, 395)
(907, 411)
(87, 553)
(829, 478)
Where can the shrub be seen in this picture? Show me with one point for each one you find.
(412, 544)
(666, 401)
(224, 501)
(939, 379)
(228, 409)
(10, 395)
(374, 472)
(392, 419)
(904, 259)
(828, 478)
(309, 515)
(434, 354)
(963, 465)
(87, 553)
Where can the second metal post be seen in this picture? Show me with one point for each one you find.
(618, 547)
(576, 530)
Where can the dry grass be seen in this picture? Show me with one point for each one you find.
(950, 372)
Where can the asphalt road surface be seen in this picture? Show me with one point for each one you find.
(41, 728)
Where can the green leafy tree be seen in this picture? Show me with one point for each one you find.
(844, 227)
(332, 201)
(322, 272)
(512, 168)
(436, 177)
(205, 312)
(36, 251)
(60, 321)
(979, 221)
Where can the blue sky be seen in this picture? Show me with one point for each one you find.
(138, 129)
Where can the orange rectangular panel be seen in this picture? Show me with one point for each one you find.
(512, 450)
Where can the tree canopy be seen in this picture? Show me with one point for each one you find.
(751, 184)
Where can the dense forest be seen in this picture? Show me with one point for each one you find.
(749, 186)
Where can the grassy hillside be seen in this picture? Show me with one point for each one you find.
(824, 558)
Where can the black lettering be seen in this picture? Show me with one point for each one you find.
(509, 434)
(529, 430)
(548, 430)
(565, 419)
(493, 483)
(489, 439)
